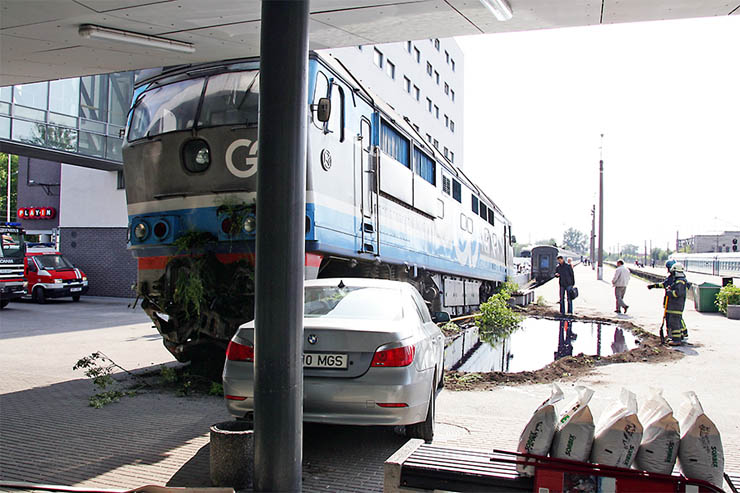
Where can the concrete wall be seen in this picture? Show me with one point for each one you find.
(91, 198)
(38, 186)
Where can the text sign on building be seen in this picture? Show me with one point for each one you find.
(37, 213)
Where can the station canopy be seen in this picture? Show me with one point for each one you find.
(50, 39)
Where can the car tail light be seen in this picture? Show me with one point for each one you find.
(402, 356)
(235, 397)
(239, 352)
(392, 404)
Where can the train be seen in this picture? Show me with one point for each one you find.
(381, 202)
(725, 265)
(544, 261)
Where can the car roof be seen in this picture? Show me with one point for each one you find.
(357, 282)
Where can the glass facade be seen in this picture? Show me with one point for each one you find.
(86, 115)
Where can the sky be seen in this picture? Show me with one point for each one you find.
(666, 97)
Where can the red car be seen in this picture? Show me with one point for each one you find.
(50, 275)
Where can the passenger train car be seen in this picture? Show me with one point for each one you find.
(725, 265)
(544, 261)
(380, 201)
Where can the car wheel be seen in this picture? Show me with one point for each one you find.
(425, 429)
(4, 303)
(75, 297)
(39, 295)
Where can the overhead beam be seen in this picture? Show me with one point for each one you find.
(36, 152)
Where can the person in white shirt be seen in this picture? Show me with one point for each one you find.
(620, 280)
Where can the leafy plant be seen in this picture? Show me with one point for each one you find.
(216, 389)
(99, 368)
(169, 375)
(497, 320)
(541, 301)
(728, 295)
(450, 328)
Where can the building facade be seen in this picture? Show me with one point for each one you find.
(729, 241)
(422, 80)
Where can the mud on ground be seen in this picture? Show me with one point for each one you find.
(570, 367)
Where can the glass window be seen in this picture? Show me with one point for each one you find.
(417, 54)
(64, 96)
(452, 126)
(61, 138)
(94, 97)
(378, 58)
(394, 144)
(452, 156)
(32, 95)
(491, 217)
(230, 99)
(446, 185)
(52, 262)
(436, 44)
(452, 94)
(447, 88)
(390, 69)
(430, 69)
(483, 211)
(436, 144)
(113, 148)
(120, 180)
(120, 90)
(447, 57)
(446, 151)
(425, 166)
(91, 144)
(4, 108)
(32, 133)
(6, 93)
(474, 203)
(407, 84)
(429, 138)
(436, 112)
(447, 121)
(417, 93)
(436, 77)
(4, 127)
(336, 117)
(408, 46)
(166, 109)
(452, 62)
(456, 190)
(352, 302)
(30, 113)
(429, 105)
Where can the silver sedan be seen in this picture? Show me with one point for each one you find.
(371, 356)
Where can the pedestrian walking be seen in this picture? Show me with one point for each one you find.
(619, 281)
(564, 272)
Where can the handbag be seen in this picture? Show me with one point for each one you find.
(573, 292)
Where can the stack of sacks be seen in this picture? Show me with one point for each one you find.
(660, 440)
(574, 433)
(619, 433)
(537, 435)
(700, 454)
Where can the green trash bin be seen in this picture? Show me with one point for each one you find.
(704, 296)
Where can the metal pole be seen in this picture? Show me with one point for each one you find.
(600, 270)
(593, 235)
(9, 177)
(280, 247)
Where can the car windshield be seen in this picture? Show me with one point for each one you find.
(12, 244)
(368, 303)
(53, 262)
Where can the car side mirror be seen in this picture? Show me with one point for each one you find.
(440, 317)
(513, 239)
(323, 109)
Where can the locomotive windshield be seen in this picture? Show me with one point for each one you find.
(229, 99)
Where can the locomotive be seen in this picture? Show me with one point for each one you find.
(380, 201)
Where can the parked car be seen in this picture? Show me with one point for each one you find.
(50, 275)
(372, 356)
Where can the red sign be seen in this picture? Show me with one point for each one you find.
(37, 213)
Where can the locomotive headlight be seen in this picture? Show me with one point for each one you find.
(196, 156)
(141, 231)
(250, 224)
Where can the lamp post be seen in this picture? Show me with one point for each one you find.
(600, 270)
(593, 235)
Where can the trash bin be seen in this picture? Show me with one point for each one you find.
(704, 296)
(232, 454)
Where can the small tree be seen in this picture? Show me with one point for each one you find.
(4, 186)
(574, 240)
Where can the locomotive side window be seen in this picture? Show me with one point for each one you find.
(336, 118)
(456, 191)
(394, 144)
(321, 90)
(425, 166)
(483, 211)
(230, 99)
(491, 217)
(446, 185)
(166, 109)
(474, 204)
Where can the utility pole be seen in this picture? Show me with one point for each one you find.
(593, 235)
(644, 258)
(600, 271)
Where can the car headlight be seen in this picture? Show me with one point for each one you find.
(250, 224)
(141, 231)
(196, 156)
(58, 281)
(84, 278)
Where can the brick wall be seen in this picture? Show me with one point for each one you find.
(101, 253)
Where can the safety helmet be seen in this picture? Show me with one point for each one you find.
(677, 267)
(669, 264)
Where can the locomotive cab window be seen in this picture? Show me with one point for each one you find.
(230, 99)
(166, 109)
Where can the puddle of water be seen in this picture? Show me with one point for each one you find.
(541, 341)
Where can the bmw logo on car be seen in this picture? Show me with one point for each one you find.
(312, 339)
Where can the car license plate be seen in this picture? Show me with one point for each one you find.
(319, 360)
(75, 289)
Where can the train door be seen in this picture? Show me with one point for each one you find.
(368, 183)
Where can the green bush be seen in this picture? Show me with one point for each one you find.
(497, 320)
(728, 295)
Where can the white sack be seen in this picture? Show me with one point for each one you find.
(660, 438)
(700, 454)
(618, 433)
(537, 435)
(574, 432)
